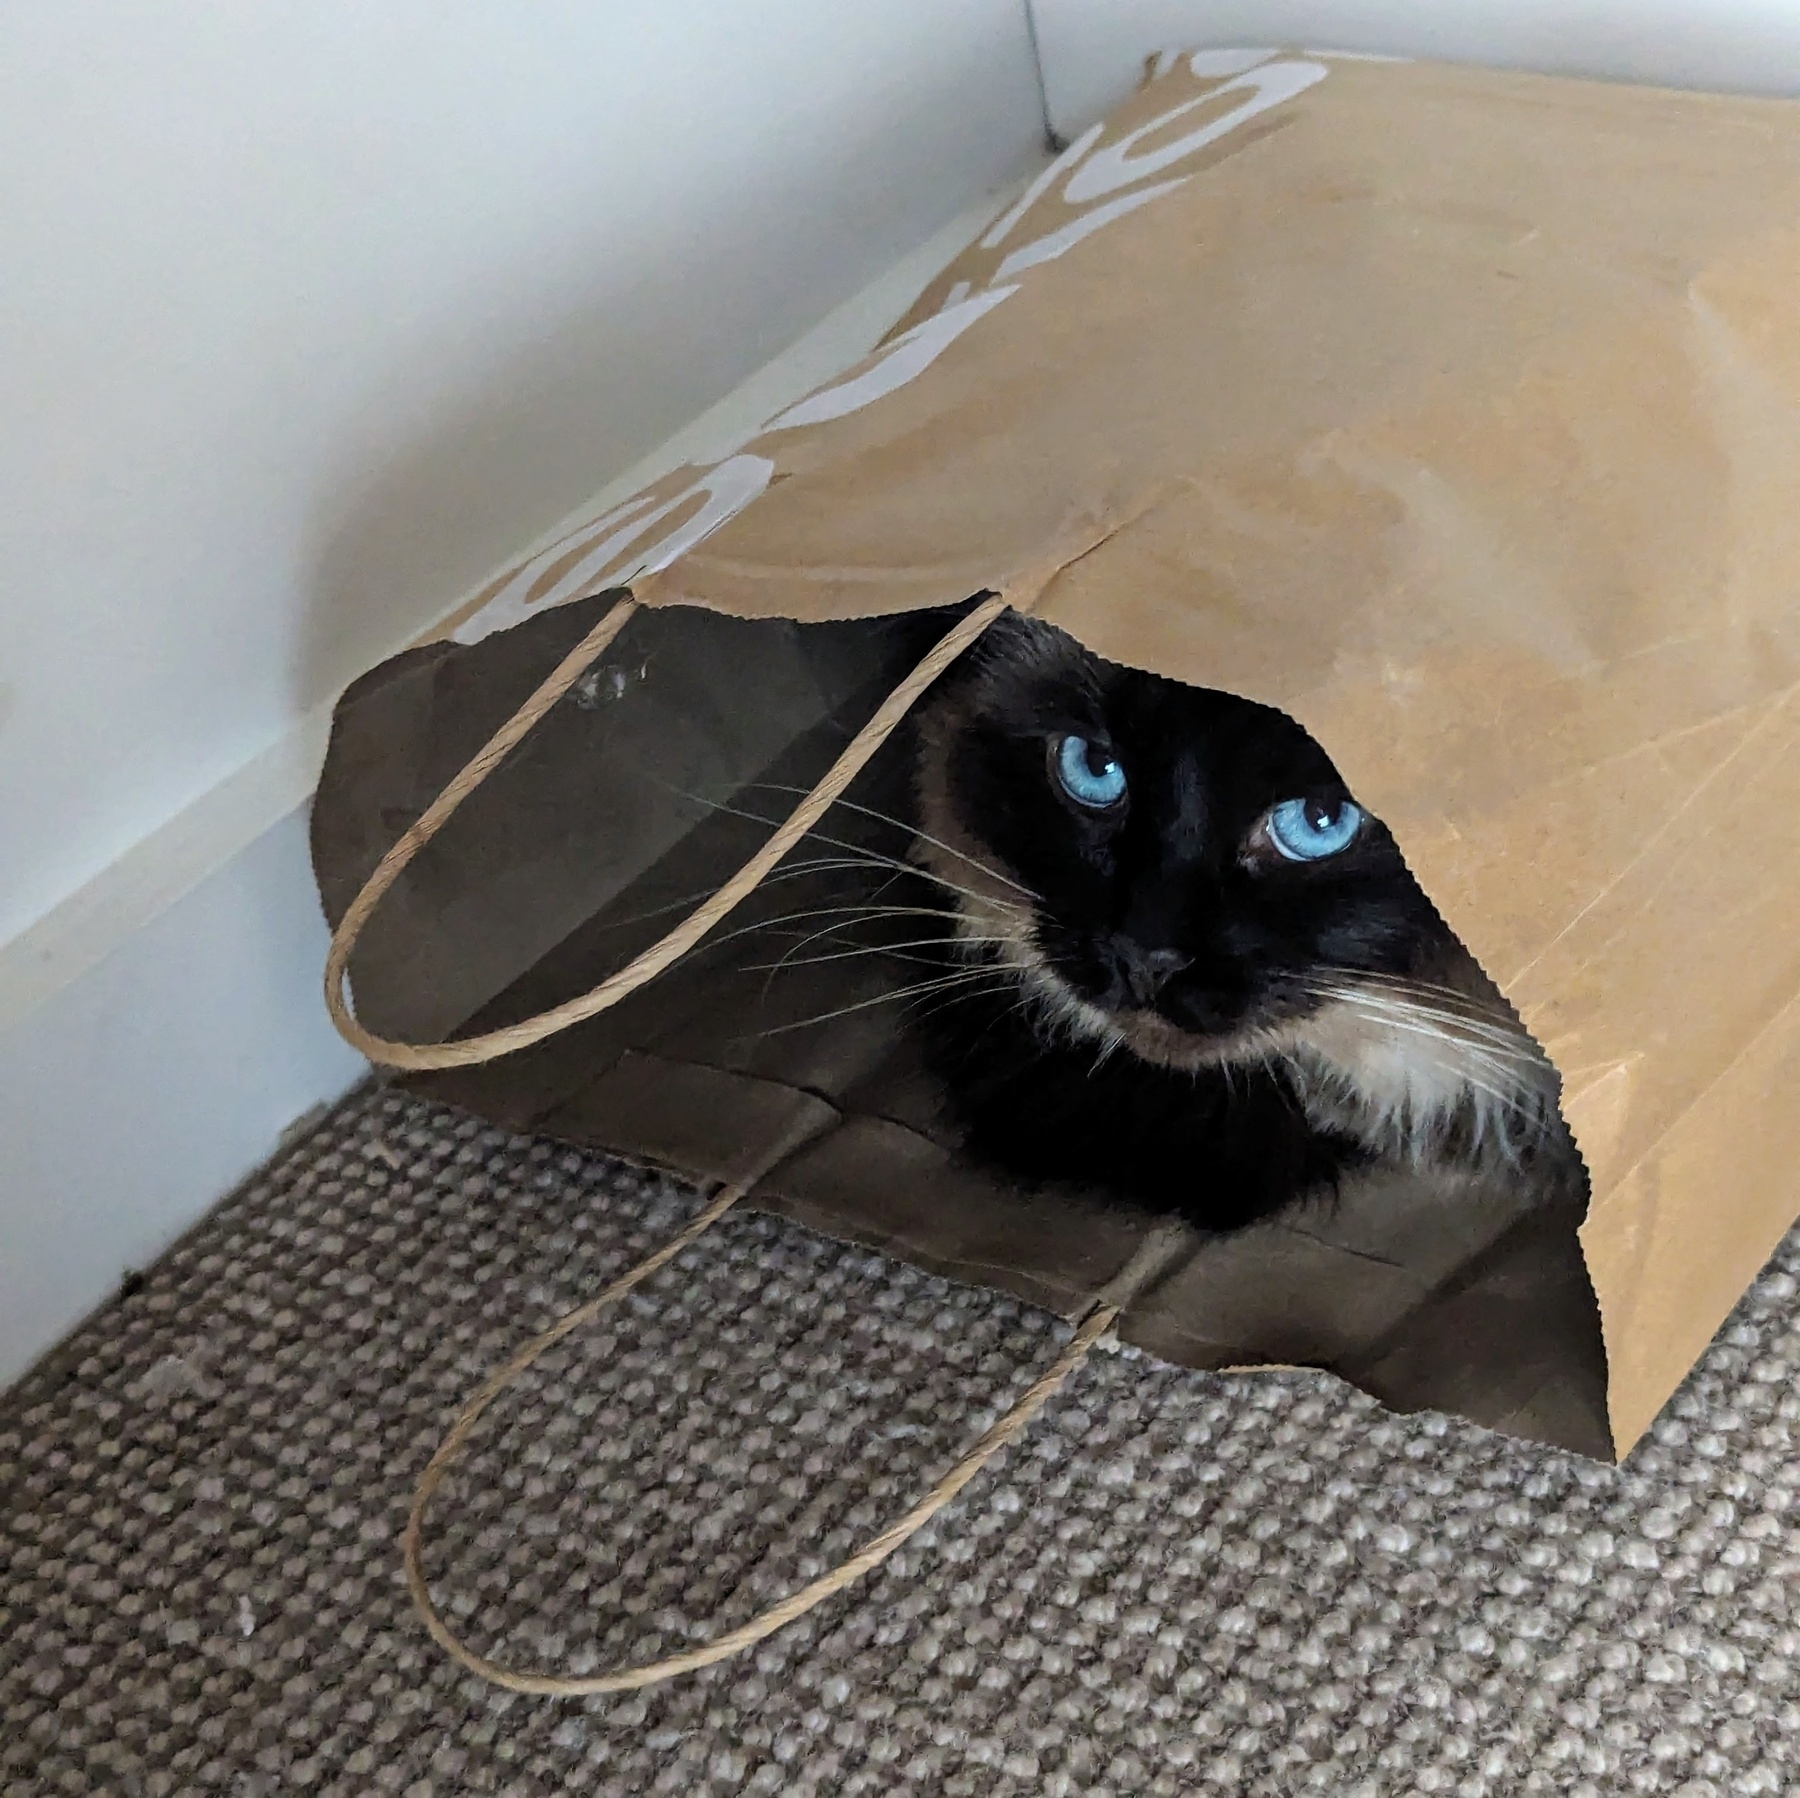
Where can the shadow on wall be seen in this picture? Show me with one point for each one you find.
(653, 323)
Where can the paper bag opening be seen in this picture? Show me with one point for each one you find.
(636, 796)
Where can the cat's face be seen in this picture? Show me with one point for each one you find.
(1172, 870)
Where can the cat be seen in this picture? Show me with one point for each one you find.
(1213, 987)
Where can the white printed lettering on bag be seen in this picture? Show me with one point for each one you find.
(1110, 176)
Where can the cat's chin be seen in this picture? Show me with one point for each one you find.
(1148, 1035)
(1153, 1038)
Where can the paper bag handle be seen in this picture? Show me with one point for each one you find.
(468, 1051)
(1153, 1257)
(1020, 594)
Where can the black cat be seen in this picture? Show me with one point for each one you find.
(1216, 986)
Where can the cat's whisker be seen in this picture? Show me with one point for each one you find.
(912, 830)
(967, 978)
(861, 913)
(813, 961)
(1004, 907)
(1464, 1005)
(941, 984)
(1002, 1014)
(686, 901)
(1468, 1024)
(1469, 1056)
(844, 918)
(1471, 1031)
(1409, 994)
(773, 968)
(870, 857)
(828, 911)
(1414, 983)
(864, 911)
(961, 996)
(1407, 983)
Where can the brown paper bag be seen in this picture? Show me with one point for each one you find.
(1457, 414)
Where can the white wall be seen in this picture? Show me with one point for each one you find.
(311, 314)
(1094, 49)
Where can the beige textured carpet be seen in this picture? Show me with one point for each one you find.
(1178, 1583)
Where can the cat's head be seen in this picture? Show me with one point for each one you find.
(1182, 874)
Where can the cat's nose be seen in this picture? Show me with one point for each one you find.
(1146, 971)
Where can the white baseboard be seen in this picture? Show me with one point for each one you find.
(163, 1026)
(138, 1094)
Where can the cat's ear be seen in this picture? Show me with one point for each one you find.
(1012, 644)
(1029, 646)
(910, 635)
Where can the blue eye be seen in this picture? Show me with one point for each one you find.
(1088, 774)
(1308, 830)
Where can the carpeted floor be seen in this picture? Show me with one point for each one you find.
(1177, 1583)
